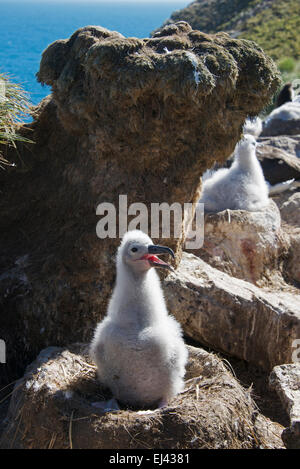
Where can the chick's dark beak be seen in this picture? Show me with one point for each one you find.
(156, 249)
(155, 261)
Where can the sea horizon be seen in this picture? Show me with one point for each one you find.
(27, 27)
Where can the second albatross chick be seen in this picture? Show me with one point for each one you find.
(241, 187)
(138, 348)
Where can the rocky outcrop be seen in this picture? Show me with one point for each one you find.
(246, 245)
(285, 380)
(233, 316)
(53, 406)
(141, 117)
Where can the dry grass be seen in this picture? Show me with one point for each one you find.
(14, 106)
(54, 409)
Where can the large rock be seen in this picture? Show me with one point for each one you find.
(52, 407)
(284, 120)
(141, 117)
(279, 162)
(290, 214)
(290, 210)
(234, 316)
(285, 380)
(247, 245)
(288, 143)
(293, 264)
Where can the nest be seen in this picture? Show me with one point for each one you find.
(52, 407)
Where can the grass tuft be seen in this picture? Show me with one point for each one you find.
(14, 107)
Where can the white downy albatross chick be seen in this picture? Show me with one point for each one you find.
(253, 126)
(138, 348)
(241, 187)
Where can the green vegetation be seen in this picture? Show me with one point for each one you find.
(290, 69)
(287, 65)
(212, 16)
(276, 29)
(14, 105)
(274, 25)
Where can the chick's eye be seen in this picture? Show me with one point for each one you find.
(134, 249)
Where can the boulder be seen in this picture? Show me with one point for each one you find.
(290, 210)
(280, 198)
(284, 120)
(247, 245)
(52, 406)
(293, 264)
(278, 164)
(285, 380)
(127, 116)
(289, 143)
(234, 316)
(290, 214)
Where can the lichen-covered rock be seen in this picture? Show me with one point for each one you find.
(52, 407)
(247, 245)
(234, 316)
(285, 380)
(141, 117)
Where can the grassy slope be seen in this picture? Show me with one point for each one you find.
(277, 29)
(273, 24)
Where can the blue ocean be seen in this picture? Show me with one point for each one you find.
(27, 27)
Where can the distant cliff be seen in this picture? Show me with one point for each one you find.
(273, 24)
